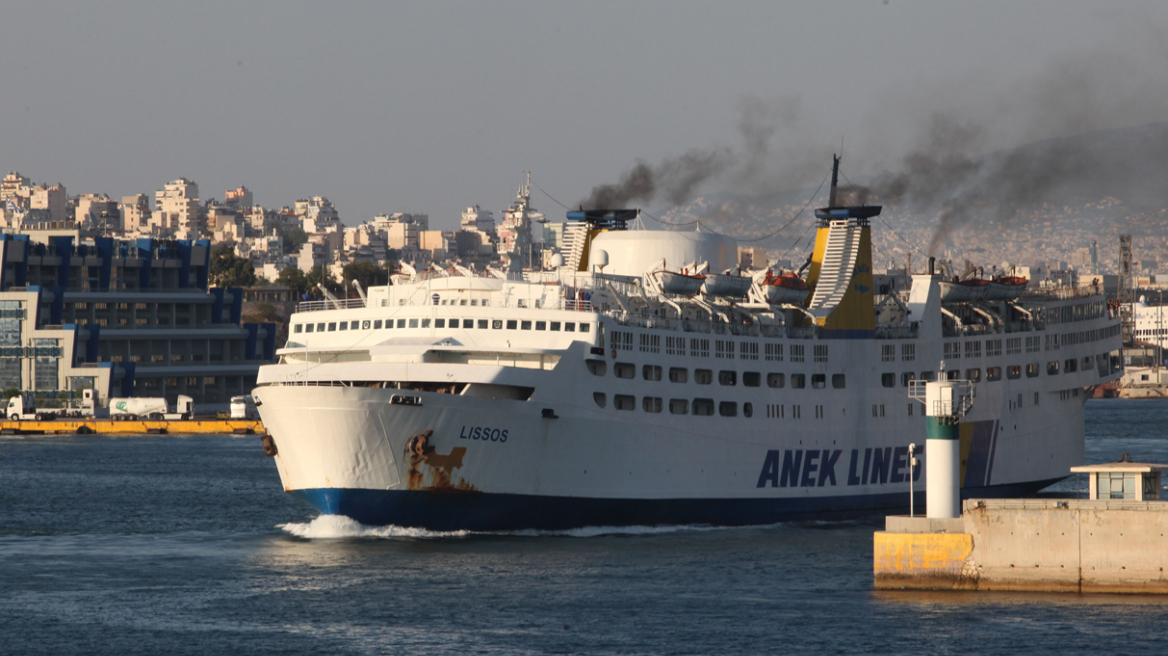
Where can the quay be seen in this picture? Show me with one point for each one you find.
(90, 426)
(1113, 542)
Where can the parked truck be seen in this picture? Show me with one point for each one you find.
(150, 408)
(23, 406)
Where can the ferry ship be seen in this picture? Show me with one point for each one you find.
(597, 395)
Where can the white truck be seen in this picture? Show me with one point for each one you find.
(23, 406)
(244, 407)
(150, 408)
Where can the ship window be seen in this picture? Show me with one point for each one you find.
(776, 380)
(1013, 371)
(541, 325)
(511, 324)
(482, 324)
(466, 323)
(585, 327)
(624, 402)
(413, 323)
(703, 407)
(1071, 365)
(703, 376)
(401, 323)
(798, 381)
(308, 327)
(439, 323)
(597, 367)
(993, 373)
(678, 406)
(474, 302)
(377, 324)
(600, 398)
(728, 378)
(728, 409)
(973, 375)
(332, 326)
(751, 379)
(298, 328)
(320, 327)
(425, 323)
(1032, 370)
(907, 378)
(818, 381)
(569, 327)
(651, 404)
(678, 375)
(526, 325)
(356, 325)
(928, 376)
(838, 381)
(344, 325)
(888, 380)
(952, 375)
(651, 372)
(555, 325)
(624, 370)
(747, 410)
(1052, 367)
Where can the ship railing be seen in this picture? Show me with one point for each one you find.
(339, 304)
(1063, 293)
(897, 332)
(967, 330)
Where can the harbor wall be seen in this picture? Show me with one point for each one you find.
(1048, 545)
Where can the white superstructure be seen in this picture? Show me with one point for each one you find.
(577, 397)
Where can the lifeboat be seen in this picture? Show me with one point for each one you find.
(1006, 287)
(680, 283)
(964, 291)
(725, 284)
(784, 288)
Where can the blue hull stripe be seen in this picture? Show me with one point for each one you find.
(446, 511)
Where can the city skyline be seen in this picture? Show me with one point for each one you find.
(421, 108)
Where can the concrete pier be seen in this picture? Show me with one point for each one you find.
(1056, 545)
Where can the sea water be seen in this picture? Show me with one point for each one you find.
(186, 545)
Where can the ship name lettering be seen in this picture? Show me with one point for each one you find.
(816, 468)
(484, 433)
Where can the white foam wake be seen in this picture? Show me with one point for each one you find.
(340, 526)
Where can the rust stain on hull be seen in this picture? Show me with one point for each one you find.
(425, 463)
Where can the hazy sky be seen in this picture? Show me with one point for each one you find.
(431, 107)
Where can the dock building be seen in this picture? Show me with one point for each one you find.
(133, 317)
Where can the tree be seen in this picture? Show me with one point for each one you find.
(294, 239)
(366, 273)
(227, 270)
(295, 279)
(321, 276)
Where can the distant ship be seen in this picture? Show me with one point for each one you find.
(601, 394)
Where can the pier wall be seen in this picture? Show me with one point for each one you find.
(1048, 545)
